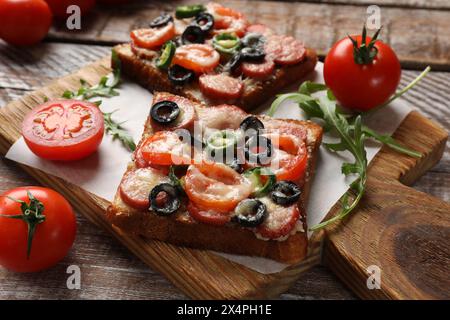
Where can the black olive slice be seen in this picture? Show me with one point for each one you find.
(161, 21)
(250, 213)
(233, 63)
(165, 112)
(251, 126)
(205, 21)
(170, 204)
(193, 34)
(285, 193)
(253, 40)
(258, 149)
(179, 75)
(253, 54)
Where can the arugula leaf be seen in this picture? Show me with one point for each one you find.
(296, 97)
(391, 142)
(352, 136)
(105, 88)
(117, 132)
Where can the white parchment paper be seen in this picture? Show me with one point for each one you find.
(101, 173)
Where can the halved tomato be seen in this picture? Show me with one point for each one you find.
(63, 129)
(208, 216)
(166, 148)
(216, 186)
(151, 38)
(200, 58)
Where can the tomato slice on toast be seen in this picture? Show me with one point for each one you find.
(227, 20)
(166, 148)
(200, 58)
(289, 158)
(151, 38)
(216, 186)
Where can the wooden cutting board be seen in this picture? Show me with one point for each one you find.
(402, 231)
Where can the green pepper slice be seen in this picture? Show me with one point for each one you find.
(226, 43)
(183, 12)
(254, 175)
(221, 141)
(177, 182)
(167, 53)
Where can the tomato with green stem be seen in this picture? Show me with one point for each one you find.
(37, 228)
(362, 72)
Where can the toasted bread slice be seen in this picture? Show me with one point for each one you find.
(181, 229)
(142, 70)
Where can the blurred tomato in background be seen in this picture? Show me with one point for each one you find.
(27, 22)
(59, 7)
(24, 22)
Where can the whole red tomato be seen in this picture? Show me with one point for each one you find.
(55, 229)
(59, 7)
(364, 78)
(24, 22)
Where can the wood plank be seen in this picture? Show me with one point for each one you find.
(418, 36)
(30, 68)
(233, 280)
(402, 231)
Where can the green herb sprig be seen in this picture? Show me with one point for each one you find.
(352, 135)
(105, 88)
(116, 130)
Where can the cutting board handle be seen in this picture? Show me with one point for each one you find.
(399, 237)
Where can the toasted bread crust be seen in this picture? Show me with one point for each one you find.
(182, 230)
(150, 77)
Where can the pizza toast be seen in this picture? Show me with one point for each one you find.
(132, 213)
(204, 69)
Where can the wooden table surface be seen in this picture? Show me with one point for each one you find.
(108, 270)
